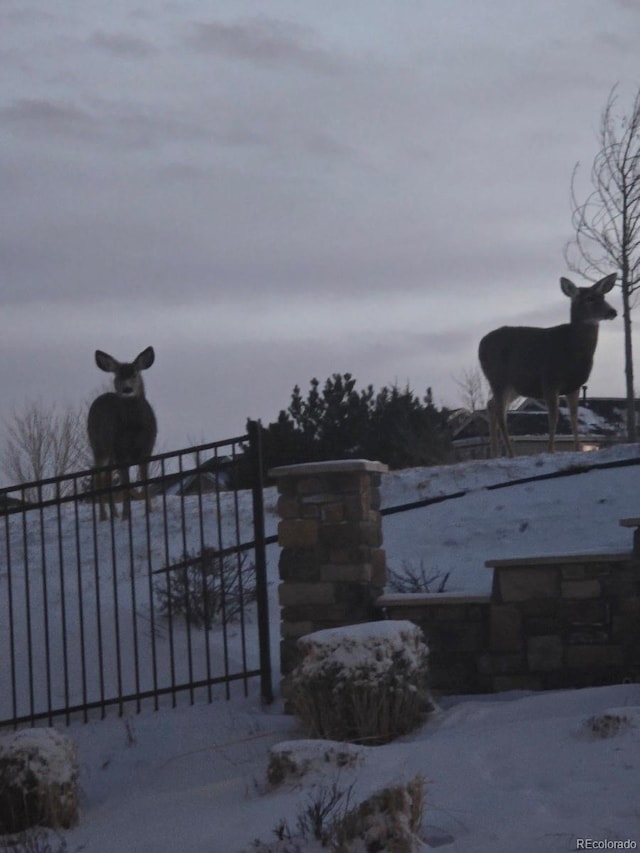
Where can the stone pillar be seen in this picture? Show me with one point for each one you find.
(332, 566)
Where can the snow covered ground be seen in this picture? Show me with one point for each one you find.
(556, 516)
(505, 773)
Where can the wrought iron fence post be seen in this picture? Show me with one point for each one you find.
(254, 429)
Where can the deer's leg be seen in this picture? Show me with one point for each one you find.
(552, 411)
(572, 400)
(493, 427)
(500, 404)
(111, 494)
(102, 484)
(125, 485)
(99, 485)
(143, 471)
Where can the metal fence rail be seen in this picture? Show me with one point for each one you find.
(99, 614)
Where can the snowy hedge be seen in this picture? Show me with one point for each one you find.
(387, 821)
(362, 683)
(38, 780)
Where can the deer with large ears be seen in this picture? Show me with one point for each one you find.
(545, 363)
(122, 427)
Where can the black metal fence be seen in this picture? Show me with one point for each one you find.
(173, 603)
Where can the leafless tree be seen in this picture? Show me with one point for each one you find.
(607, 223)
(42, 441)
(473, 389)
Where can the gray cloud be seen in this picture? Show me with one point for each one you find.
(28, 14)
(41, 115)
(627, 5)
(267, 42)
(122, 45)
(104, 122)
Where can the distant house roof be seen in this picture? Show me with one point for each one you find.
(7, 503)
(528, 404)
(519, 423)
(211, 475)
(599, 417)
(612, 409)
(473, 425)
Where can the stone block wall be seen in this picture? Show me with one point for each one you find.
(456, 628)
(550, 622)
(332, 565)
(578, 620)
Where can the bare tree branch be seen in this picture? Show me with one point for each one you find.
(473, 388)
(42, 442)
(607, 223)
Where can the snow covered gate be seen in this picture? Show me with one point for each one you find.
(171, 606)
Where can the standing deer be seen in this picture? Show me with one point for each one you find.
(122, 427)
(545, 363)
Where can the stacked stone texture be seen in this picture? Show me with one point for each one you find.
(332, 564)
(564, 622)
(550, 622)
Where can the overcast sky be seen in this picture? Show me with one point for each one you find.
(267, 192)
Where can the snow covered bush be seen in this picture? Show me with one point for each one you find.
(387, 821)
(390, 820)
(351, 800)
(362, 683)
(38, 780)
(35, 840)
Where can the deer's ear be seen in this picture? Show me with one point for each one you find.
(568, 287)
(605, 284)
(106, 362)
(145, 359)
